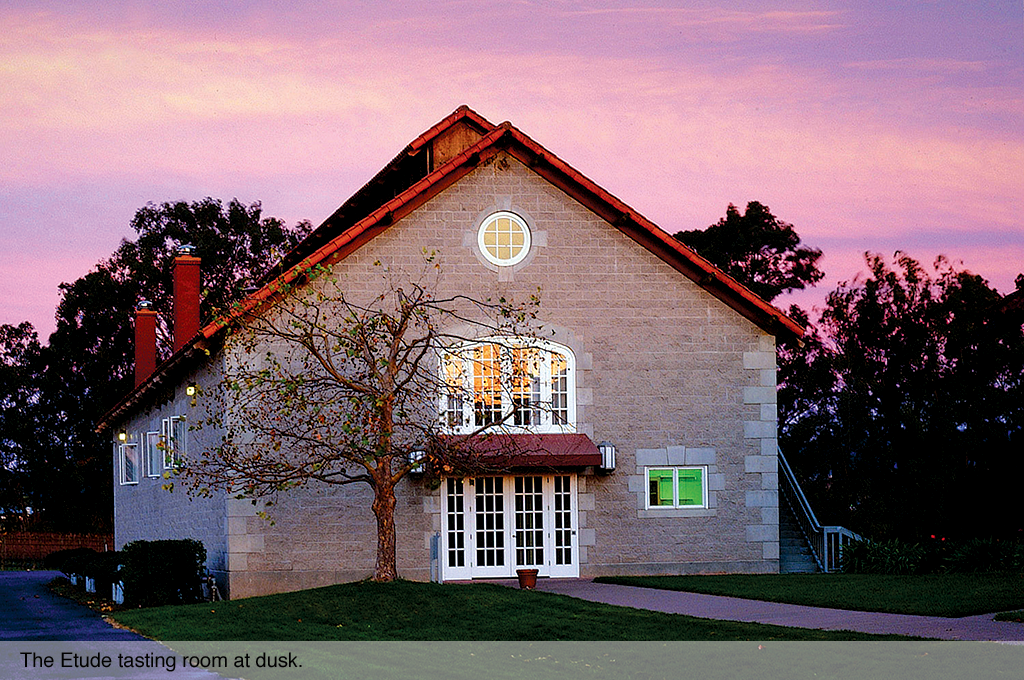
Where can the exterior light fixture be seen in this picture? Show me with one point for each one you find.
(122, 436)
(191, 390)
(416, 459)
(607, 450)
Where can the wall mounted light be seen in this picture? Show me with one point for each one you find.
(416, 459)
(191, 390)
(607, 450)
(122, 436)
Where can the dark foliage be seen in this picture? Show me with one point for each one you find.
(162, 572)
(904, 413)
(757, 249)
(51, 396)
(69, 561)
(892, 557)
(969, 556)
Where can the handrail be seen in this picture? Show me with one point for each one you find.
(826, 542)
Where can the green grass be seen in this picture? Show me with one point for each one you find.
(424, 611)
(950, 595)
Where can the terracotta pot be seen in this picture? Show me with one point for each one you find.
(527, 578)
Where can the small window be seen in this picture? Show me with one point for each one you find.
(676, 487)
(154, 456)
(129, 463)
(175, 440)
(504, 239)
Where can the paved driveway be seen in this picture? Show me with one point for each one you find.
(34, 617)
(32, 612)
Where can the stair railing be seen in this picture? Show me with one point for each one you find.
(826, 542)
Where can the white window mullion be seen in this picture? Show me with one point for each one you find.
(545, 388)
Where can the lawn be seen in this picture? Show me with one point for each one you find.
(425, 611)
(951, 595)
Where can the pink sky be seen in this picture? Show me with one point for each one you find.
(896, 126)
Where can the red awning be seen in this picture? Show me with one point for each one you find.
(537, 450)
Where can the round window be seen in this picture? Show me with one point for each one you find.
(504, 239)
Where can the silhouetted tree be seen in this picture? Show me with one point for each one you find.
(905, 415)
(757, 249)
(88, 364)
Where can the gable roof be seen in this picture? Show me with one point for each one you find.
(432, 162)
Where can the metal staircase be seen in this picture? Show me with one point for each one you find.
(805, 546)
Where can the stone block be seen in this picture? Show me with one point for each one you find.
(762, 499)
(758, 533)
(760, 464)
(236, 525)
(759, 429)
(759, 395)
(636, 484)
(677, 455)
(588, 537)
(770, 480)
(648, 457)
(238, 561)
(716, 482)
(700, 456)
(758, 360)
(769, 412)
(770, 550)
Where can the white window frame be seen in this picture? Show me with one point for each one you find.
(175, 448)
(466, 392)
(484, 247)
(153, 454)
(123, 453)
(675, 487)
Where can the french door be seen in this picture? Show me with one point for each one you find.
(495, 525)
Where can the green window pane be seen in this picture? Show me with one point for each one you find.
(691, 487)
(660, 486)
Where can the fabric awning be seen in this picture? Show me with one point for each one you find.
(536, 450)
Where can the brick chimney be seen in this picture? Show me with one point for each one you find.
(186, 296)
(145, 341)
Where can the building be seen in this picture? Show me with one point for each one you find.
(653, 350)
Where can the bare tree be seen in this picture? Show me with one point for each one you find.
(325, 388)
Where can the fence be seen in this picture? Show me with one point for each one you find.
(35, 545)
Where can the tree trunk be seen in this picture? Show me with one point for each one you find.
(386, 568)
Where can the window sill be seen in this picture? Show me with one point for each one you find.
(658, 513)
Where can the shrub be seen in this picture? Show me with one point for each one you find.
(162, 572)
(104, 568)
(70, 561)
(985, 555)
(893, 557)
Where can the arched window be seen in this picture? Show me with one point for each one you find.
(512, 383)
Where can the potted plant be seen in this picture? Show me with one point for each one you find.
(527, 578)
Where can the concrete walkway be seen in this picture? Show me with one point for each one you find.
(734, 609)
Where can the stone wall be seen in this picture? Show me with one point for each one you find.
(665, 371)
